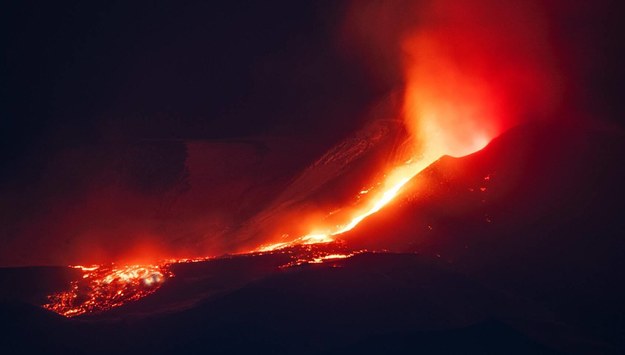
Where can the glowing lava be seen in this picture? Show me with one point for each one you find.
(103, 287)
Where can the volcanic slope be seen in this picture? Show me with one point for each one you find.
(520, 251)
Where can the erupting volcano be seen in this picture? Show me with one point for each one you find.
(414, 174)
(452, 106)
(456, 98)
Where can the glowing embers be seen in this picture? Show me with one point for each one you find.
(103, 287)
(315, 253)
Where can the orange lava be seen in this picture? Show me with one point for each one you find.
(103, 287)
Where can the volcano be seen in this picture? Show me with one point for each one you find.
(312, 177)
(504, 269)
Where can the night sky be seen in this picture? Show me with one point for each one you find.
(79, 73)
(76, 72)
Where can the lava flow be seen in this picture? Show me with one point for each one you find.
(103, 287)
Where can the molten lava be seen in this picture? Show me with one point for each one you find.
(103, 287)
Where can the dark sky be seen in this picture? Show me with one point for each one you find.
(83, 72)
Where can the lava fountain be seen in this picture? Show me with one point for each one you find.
(471, 71)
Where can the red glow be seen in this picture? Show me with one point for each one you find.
(103, 287)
